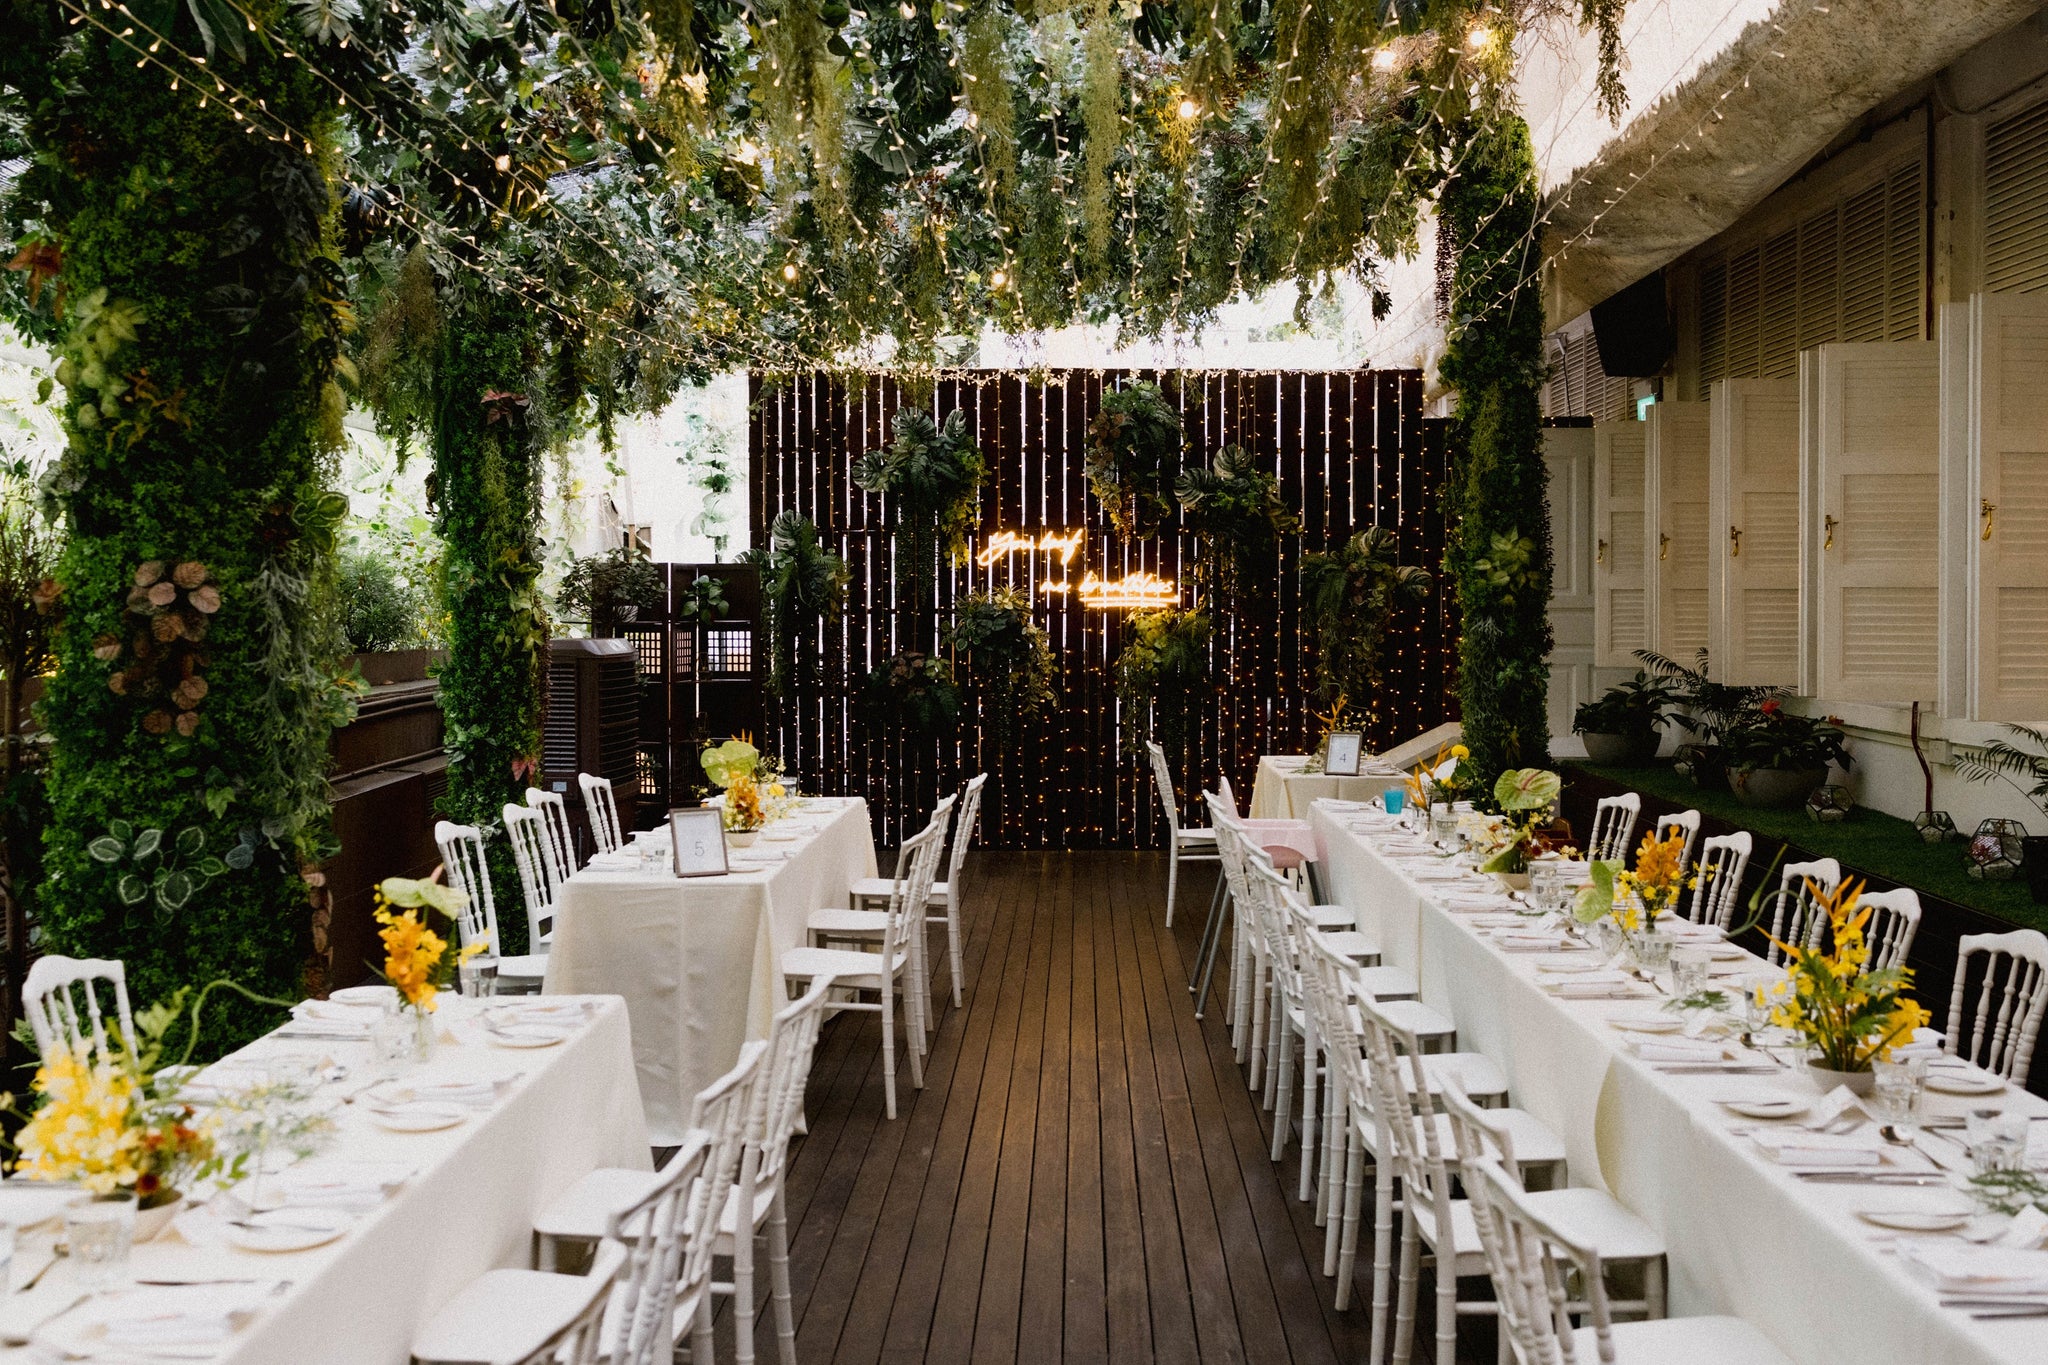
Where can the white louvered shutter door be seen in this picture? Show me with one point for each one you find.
(1754, 532)
(1619, 588)
(1677, 454)
(1879, 507)
(2009, 554)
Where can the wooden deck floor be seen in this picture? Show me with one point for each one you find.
(1084, 1177)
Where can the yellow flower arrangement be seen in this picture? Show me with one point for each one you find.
(417, 960)
(1656, 882)
(1851, 1016)
(743, 810)
(1442, 780)
(100, 1125)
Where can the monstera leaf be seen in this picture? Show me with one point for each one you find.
(726, 763)
(1596, 902)
(1526, 789)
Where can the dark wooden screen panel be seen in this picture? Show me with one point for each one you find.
(1351, 450)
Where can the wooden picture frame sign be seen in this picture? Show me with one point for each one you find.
(697, 842)
(1345, 752)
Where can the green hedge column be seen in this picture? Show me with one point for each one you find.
(487, 477)
(1499, 553)
(201, 314)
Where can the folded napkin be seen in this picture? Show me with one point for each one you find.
(180, 1314)
(1530, 942)
(1601, 976)
(351, 1186)
(222, 1080)
(1498, 921)
(1678, 1050)
(1926, 1042)
(1963, 1268)
(326, 1012)
(1573, 988)
(472, 1093)
(1822, 1150)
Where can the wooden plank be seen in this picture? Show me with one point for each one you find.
(1044, 1292)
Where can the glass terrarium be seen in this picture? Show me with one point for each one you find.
(1829, 804)
(1936, 826)
(1995, 850)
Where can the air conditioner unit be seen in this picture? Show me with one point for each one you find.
(592, 724)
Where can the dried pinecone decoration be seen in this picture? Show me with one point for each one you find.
(170, 609)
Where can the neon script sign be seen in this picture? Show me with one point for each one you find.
(1003, 544)
(1138, 589)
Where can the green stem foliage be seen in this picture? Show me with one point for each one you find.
(1498, 559)
(194, 689)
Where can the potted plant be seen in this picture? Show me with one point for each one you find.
(1620, 729)
(1708, 709)
(1008, 658)
(1236, 512)
(931, 474)
(911, 693)
(1349, 594)
(609, 590)
(1162, 675)
(1777, 759)
(2027, 772)
(1851, 1017)
(1134, 446)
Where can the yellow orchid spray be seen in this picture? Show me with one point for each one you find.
(1850, 1015)
(417, 961)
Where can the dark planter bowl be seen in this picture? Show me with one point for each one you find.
(2034, 866)
(1620, 751)
(1775, 788)
(1701, 765)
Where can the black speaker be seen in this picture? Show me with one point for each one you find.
(1632, 330)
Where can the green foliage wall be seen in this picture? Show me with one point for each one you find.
(486, 490)
(1498, 559)
(199, 336)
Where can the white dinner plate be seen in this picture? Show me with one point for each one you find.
(1942, 1219)
(1950, 1082)
(1720, 952)
(288, 1229)
(1647, 1023)
(1574, 965)
(1767, 1108)
(417, 1117)
(363, 995)
(523, 1035)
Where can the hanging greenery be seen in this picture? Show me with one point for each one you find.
(1351, 593)
(29, 550)
(803, 585)
(1235, 510)
(195, 302)
(1008, 659)
(608, 590)
(1163, 677)
(1134, 447)
(1498, 557)
(931, 474)
(911, 693)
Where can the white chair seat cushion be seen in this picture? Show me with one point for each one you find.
(1683, 1341)
(1535, 1145)
(1352, 944)
(1595, 1221)
(1390, 983)
(848, 923)
(1185, 836)
(503, 1315)
(529, 966)
(856, 970)
(1418, 1018)
(1477, 1074)
(1332, 917)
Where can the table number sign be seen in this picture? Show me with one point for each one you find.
(697, 835)
(1341, 759)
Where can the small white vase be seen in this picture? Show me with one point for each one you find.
(152, 1221)
(741, 838)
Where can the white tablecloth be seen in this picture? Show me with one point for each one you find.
(1746, 1237)
(1282, 791)
(468, 1209)
(697, 959)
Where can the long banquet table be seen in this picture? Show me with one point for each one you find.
(467, 1207)
(697, 959)
(1747, 1237)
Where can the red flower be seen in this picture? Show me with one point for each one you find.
(1772, 707)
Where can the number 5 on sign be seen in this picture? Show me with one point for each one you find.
(698, 837)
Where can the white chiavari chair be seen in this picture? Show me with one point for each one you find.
(946, 893)
(537, 884)
(2011, 995)
(882, 971)
(1614, 820)
(1894, 923)
(603, 812)
(524, 1317)
(1543, 1277)
(61, 997)
(469, 871)
(554, 818)
(1796, 915)
(833, 926)
(1183, 844)
(1687, 821)
(1718, 878)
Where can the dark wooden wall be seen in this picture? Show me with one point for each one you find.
(1351, 450)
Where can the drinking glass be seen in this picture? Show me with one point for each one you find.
(391, 1043)
(1653, 952)
(1895, 1097)
(1393, 800)
(1688, 972)
(1607, 937)
(479, 976)
(1443, 827)
(1757, 1005)
(99, 1233)
(2002, 1146)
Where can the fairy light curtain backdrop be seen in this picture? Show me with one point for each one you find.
(882, 696)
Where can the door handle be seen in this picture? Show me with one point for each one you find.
(1735, 542)
(1663, 546)
(1600, 552)
(1829, 542)
(1988, 511)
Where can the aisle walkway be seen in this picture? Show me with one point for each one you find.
(1084, 1177)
